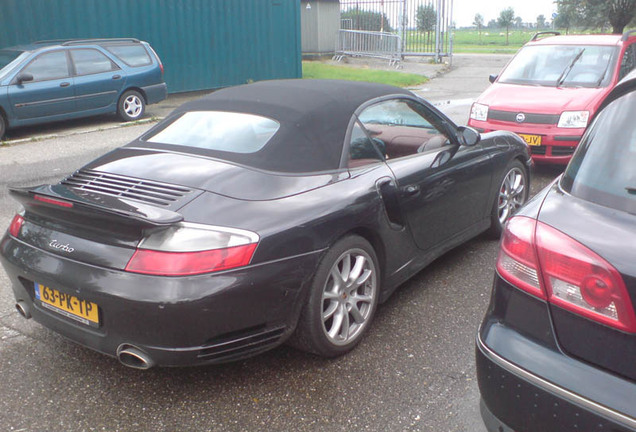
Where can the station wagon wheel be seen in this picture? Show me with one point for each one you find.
(342, 301)
(511, 195)
(131, 106)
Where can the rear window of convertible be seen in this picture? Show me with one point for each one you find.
(217, 130)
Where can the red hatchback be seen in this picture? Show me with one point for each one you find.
(551, 89)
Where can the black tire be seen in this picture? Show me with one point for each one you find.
(131, 106)
(511, 194)
(335, 318)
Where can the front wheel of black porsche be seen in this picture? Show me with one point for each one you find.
(342, 301)
(511, 195)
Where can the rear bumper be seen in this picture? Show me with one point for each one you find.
(176, 321)
(528, 384)
(518, 400)
(155, 93)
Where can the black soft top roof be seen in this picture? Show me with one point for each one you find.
(313, 117)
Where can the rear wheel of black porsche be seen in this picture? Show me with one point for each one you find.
(511, 195)
(342, 301)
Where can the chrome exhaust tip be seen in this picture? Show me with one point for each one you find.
(23, 309)
(133, 357)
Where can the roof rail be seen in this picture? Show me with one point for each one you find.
(94, 41)
(67, 42)
(50, 41)
(537, 34)
(627, 34)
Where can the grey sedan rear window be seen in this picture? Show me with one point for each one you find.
(218, 130)
(132, 55)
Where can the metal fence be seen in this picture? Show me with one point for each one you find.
(369, 44)
(423, 26)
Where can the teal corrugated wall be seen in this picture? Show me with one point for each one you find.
(204, 44)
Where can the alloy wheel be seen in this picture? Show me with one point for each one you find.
(348, 296)
(511, 194)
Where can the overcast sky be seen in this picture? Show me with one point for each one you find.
(464, 10)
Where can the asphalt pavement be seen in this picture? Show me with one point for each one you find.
(413, 372)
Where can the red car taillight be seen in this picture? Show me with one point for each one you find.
(517, 261)
(190, 249)
(16, 225)
(189, 263)
(550, 265)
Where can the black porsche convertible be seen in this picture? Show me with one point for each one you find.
(270, 212)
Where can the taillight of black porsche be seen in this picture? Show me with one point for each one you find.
(552, 266)
(16, 225)
(190, 249)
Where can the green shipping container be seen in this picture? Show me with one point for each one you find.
(204, 44)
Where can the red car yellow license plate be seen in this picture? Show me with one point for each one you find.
(533, 140)
(68, 305)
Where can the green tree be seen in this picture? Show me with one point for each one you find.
(426, 18)
(506, 19)
(479, 23)
(568, 15)
(541, 22)
(621, 13)
(367, 20)
(597, 14)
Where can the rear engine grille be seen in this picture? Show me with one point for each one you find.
(127, 187)
(243, 344)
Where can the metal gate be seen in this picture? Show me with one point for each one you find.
(422, 27)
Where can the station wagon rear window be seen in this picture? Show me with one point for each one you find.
(133, 55)
(217, 130)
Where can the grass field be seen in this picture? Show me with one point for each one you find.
(494, 40)
(318, 70)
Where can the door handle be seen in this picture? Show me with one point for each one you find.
(115, 77)
(412, 190)
(65, 84)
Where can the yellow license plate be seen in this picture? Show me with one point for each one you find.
(533, 140)
(68, 305)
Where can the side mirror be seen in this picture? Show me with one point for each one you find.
(468, 136)
(23, 77)
(492, 78)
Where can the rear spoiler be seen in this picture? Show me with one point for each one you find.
(61, 202)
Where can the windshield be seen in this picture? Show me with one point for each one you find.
(602, 169)
(561, 65)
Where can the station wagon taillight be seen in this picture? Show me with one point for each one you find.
(546, 263)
